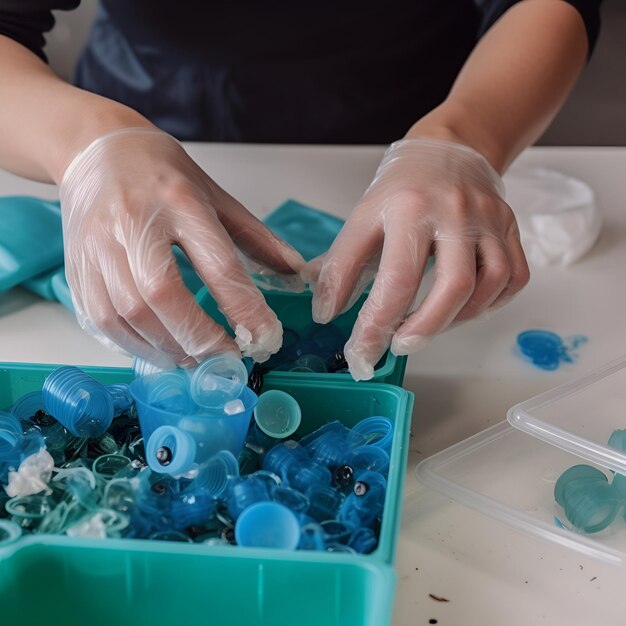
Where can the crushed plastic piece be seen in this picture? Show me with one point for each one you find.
(32, 476)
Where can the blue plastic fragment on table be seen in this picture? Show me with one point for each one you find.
(546, 350)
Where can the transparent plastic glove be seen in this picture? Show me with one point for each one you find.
(126, 199)
(428, 197)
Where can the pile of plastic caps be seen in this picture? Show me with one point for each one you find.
(191, 456)
(318, 348)
(590, 502)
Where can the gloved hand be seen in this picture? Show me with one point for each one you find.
(428, 197)
(126, 199)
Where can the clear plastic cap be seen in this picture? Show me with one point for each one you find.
(277, 414)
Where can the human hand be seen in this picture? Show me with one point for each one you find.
(126, 199)
(428, 197)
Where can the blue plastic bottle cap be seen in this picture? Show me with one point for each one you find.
(9, 532)
(368, 458)
(270, 479)
(122, 400)
(26, 406)
(311, 440)
(323, 340)
(330, 449)
(213, 475)
(170, 450)
(169, 391)
(617, 440)
(375, 482)
(192, 508)
(336, 531)
(245, 491)
(340, 548)
(78, 401)
(217, 380)
(249, 461)
(366, 502)
(268, 525)
(576, 473)
(105, 467)
(325, 502)
(285, 455)
(170, 535)
(311, 537)
(28, 511)
(590, 505)
(277, 414)
(120, 494)
(212, 430)
(258, 441)
(302, 477)
(363, 540)
(10, 432)
(292, 499)
(619, 484)
(373, 431)
(114, 521)
(309, 363)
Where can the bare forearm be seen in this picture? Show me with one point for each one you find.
(44, 121)
(513, 83)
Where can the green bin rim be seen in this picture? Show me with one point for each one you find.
(391, 371)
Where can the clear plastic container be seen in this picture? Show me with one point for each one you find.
(510, 476)
(507, 474)
(580, 416)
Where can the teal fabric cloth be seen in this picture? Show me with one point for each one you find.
(310, 231)
(61, 289)
(42, 284)
(31, 243)
(31, 239)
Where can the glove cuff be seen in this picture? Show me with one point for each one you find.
(458, 151)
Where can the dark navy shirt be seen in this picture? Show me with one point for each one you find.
(275, 71)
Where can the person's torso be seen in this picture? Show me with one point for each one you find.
(279, 72)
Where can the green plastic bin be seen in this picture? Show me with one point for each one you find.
(294, 311)
(58, 580)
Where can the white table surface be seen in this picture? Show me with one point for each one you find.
(464, 381)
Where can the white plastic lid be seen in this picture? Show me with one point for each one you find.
(557, 215)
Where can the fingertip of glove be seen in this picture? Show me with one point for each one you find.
(293, 258)
(359, 367)
(402, 346)
(266, 340)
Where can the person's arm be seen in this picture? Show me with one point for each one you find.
(128, 193)
(44, 121)
(513, 83)
(437, 192)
